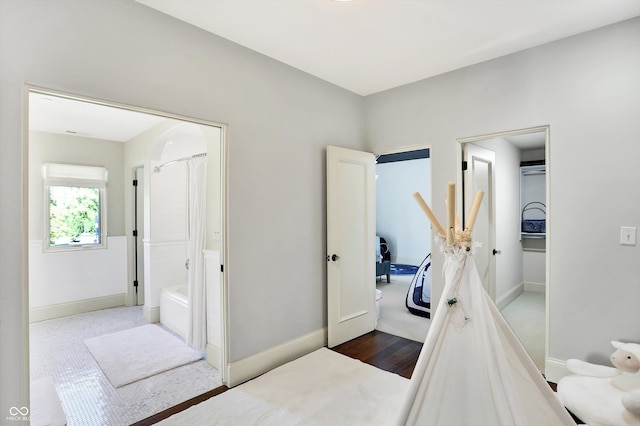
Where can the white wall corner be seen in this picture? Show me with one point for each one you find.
(252, 366)
(213, 356)
(555, 369)
(151, 315)
(535, 287)
(510, 296)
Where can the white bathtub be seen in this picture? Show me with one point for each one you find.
(174, 309)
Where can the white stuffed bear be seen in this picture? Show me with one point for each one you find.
(601, 395)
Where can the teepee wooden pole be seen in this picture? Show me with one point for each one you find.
(458, 226)
(451, 212)
(425, 208)
(475, 207)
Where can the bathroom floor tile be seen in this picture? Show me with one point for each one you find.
(88, 398)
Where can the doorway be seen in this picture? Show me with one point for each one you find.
(405, 235)
(513, 264)
(78, 282)
(351, 243)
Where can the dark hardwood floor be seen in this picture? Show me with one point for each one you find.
(385, 351)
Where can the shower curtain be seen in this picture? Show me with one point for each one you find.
(197, 332)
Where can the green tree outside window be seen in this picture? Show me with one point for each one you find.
(74, 215)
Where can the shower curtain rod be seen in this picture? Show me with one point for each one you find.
(156, 169)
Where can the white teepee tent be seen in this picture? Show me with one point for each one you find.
(472, 369)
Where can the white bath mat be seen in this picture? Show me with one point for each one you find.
(46, 409)
(131, 355)
(322, 388)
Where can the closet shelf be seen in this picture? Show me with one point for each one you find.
(533, 210)
(533, 234)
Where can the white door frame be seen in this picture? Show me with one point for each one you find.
(224, 182)
(459, 157)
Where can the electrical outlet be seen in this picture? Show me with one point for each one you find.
(628, 236)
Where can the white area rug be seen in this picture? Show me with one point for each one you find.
(134, 354)
(322, 388)
(46, 409)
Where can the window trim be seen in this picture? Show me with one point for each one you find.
(80, 176)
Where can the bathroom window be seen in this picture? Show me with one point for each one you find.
(75, 203)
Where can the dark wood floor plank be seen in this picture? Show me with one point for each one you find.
(383, 350)
(400, 358)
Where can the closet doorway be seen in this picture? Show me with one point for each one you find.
(512, 168)
(405, 233)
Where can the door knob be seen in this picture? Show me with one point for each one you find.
(496, 252)
(333, 257)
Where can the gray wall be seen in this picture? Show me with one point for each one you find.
(587, 88)
(280, 121)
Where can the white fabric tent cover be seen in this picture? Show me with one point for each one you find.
(472, 369)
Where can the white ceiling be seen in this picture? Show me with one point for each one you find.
(367, 46)
(53, 114)
(364, 46)
(527, 141)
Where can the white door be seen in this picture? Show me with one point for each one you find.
(350, 244)
(479, 177)
(139, 232)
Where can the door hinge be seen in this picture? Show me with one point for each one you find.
(135, 182)
(135, 283)
(221, 268)
(465, 165)
(135, 232)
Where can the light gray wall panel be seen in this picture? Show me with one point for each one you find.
(280, 120)
(587, 88)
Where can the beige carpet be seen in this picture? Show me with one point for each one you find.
(526, 317)
(321, 388)
(395, 318)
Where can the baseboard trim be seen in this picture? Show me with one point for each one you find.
(535, 287)
(257, 364)
(77, 307)
(555, 369)
(510, 296)
(152, 315)
(213, 356)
